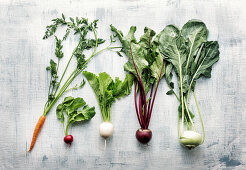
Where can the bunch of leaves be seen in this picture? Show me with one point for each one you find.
(192, 56)
(146, 64)
(81, 28)
(76, 110)
(107, 90)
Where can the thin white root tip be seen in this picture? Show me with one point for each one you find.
(105, 144)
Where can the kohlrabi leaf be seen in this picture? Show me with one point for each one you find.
(195, 33)
(202, 65)
(174, 50)
(169, 74)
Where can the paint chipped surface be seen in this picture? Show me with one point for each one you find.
(229, 162)
(23, 87)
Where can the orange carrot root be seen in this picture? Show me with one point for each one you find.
(36, 131)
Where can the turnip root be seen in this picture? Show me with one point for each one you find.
(106, 129)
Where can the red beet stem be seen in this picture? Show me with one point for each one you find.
(136, 107)
(140, 81)
(152, 104)
(148, 111)
(140, 104)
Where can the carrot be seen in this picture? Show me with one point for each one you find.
(36, 131)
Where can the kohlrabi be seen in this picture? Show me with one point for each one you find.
(146, 64)
(107, 91)
(192, 56)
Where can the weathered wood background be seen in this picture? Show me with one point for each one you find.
(24, 85)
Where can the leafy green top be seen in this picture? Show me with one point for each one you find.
(146, 55)
(76, 110)
(79, 27)
(146, 64)
(191, 55)
(107, 90)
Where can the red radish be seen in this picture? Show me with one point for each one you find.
(143, 135)
(68, 139)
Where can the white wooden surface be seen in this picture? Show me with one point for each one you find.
(24, 84)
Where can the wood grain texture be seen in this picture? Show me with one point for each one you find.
(24, 84)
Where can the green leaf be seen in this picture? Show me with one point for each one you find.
(93, 81)
(146, 55)
(119, 53)
(53, 68)
(106, 90)
(202, 65)
(108, 99)
(174, 50)
(68, 101)
(172, 46)
(71, 19)
(77, 20)
(82, 115)
(88, 112)
(122, 89)
(77, 103)
(58, 52)
(82, 84)
(104, 82)
(59, 112)
(138, 50)
(170, 92)
(169, 74)
(195, 33)
(75, 109)
(66, 34)
(156, 68)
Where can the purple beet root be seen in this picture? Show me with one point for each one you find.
(143, 135)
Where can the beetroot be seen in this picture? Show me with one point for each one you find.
(145, 63)
(143, 135)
